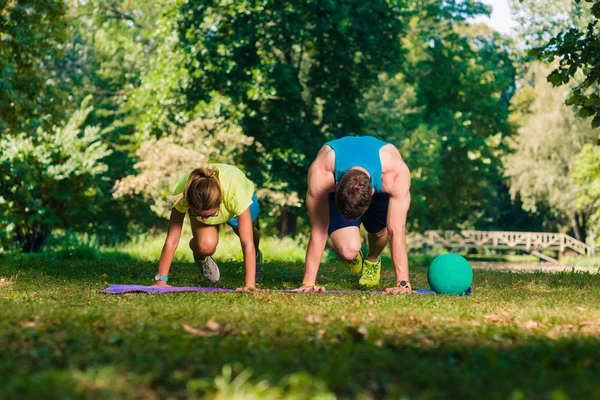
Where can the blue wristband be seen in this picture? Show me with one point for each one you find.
(159, 277)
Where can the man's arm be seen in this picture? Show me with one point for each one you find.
(320, 182)
(397, 185)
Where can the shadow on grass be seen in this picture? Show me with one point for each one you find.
(79, 344)
(345, 363)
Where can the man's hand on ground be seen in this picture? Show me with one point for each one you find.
(399, 290)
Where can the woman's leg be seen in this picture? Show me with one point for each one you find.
(205, 240)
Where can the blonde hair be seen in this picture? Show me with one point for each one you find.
(203, 189)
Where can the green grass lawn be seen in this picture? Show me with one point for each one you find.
(528, 335)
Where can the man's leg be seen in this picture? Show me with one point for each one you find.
(345, 242)
(375, 220)
(345, 237)
(377, 242)
(203, 245)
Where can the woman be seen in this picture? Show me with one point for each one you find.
(211, 196)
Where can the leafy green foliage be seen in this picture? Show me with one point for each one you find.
(110, 47)
(293, 72)
(447, 112)
(550, 137)
(31, 35)
(466, 95)
(50, 180)
(577, 49)
(586, 174)
(537, 22)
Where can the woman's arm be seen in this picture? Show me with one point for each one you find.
(246, 233)
(171, 243)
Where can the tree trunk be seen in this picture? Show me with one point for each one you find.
(578, 223)
(32, 240)
(288, 224)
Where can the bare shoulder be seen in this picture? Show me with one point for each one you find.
(325, 160)
(321, 179)
(395, 173)
(391, 160)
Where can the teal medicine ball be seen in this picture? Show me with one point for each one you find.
(450, 274)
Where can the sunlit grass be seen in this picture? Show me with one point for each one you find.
(520, 335)
(582, 261)
(149, 247)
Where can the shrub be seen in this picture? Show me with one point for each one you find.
(49, 180)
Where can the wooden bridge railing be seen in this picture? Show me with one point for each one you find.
(530, 241)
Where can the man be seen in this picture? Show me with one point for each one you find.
(358, 180)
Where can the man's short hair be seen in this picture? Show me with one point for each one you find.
(353, 194)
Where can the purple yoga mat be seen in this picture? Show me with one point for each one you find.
(120, 289)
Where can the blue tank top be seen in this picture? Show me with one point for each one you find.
(358, 151)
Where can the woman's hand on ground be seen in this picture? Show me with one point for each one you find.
(310, 289)
(161, 283)
(246, 289)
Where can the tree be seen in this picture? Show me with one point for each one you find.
(586, 174)
(577, 50)
(447, 112)
(536, 22)
(550, 137)
(50, 180)
(31, 34)
(109, 49)
(293, 72)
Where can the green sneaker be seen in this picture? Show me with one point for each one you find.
(355, 265)
(371, 273)
(260, 272)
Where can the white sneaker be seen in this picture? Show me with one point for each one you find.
(210, 270)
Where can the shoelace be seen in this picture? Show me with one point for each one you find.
(370, 270)
(354, 262)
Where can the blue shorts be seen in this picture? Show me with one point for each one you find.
(254, 211)
(374, 219)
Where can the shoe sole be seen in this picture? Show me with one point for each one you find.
(218, 274)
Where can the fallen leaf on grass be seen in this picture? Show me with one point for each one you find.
(314, 319)
(529, 324)
(558, 330)
(28, 324)
(494, 318)
(426, 342)
(213, 325)
(590, 327)
(213, 328)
